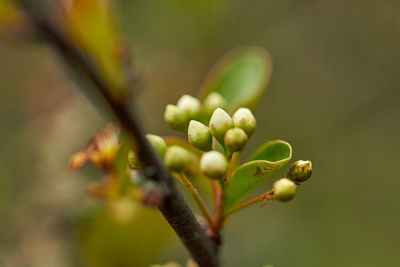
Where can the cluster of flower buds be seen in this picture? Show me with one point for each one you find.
(284, 189)
(230, 132)
(178, 116)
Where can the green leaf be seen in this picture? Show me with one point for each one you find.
(240, 77)
(266, 160)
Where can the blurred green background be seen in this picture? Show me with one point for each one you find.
(334, 95)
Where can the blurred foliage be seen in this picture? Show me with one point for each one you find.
(333, 96)
(107, 242)
(11, 19)
(92, 26)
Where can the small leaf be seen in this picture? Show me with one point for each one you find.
(266, 160)
(240, 77)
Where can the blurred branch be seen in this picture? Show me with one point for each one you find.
(174, 208)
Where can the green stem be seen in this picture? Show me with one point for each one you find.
(231, 166)
(219, 217)
(199, 201)
(265, 196)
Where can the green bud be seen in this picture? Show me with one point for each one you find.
(190, 106)
(220, 122)
(235, 139)
(214, 164)
(175, 117)
(177, 158)
(244, 118)
(199, 136)
(158, 143)
(300, 171)
(212, 102)
(284, 189)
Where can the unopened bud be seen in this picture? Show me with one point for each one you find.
(235, 139)
(244, 118)
(199, 136)
(177, 158)
(214, 164)
(175, 117)
(284, 189)
(158, 143)
(220, 122)
(300, 171)
(212, 102)
(190, 106)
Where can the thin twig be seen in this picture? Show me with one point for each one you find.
(223, 190)
(232, 163)
(214, 189)
(218, 215)
(199, 201)
(263, 197)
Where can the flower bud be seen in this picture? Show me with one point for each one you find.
(177, 158)
(284, 189)
(190, 106)
(212, 102)
(199, 136)
(220, 122)
(175, 117)
(214, 164)
(300, 171)
(158, 143)
(244, 118)
(235, 139)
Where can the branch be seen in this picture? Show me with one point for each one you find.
(197, 198)
(174, 208)
(263, 197)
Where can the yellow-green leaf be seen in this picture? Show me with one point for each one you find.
(266, 160)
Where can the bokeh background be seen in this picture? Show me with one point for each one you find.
(334, 95)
